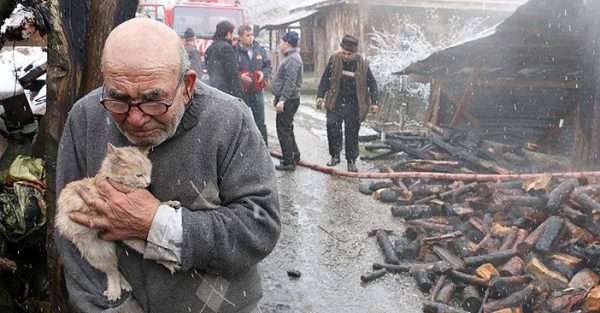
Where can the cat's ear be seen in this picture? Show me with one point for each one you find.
(144, 149)
(111, 149)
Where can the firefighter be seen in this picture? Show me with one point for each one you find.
(255, 69)
(348, 91)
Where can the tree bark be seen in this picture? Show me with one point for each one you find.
(74, 47)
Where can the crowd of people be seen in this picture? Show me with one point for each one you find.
(347, 89)
(207, 152)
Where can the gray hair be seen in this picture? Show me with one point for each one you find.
(186, 65)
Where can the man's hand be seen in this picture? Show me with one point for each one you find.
(261, 76)
(320, 102)
(279, 107)
(246, 78)
(373, 108)
(123, 213)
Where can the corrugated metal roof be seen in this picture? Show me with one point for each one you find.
(479, 5)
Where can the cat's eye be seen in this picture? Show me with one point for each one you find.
(140, 175)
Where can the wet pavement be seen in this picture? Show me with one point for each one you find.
(325, 221)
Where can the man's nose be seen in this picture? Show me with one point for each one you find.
(136, 117)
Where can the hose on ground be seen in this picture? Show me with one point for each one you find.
(433, 175)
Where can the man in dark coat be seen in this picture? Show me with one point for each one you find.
(255, 70)
(349, 91)
(221, 61)
(192, 50)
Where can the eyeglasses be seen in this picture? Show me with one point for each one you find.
(152, 108)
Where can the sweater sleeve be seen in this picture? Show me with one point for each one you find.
(85, 284)
(372, 85)
(325, 82)
(244, 229)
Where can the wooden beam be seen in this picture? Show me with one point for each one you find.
(555, 130)
(434, 104)
(464, 101)
(468, 116)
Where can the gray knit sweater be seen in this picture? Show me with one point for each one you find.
(218, 167)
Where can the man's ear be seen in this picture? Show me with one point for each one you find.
(190, 83)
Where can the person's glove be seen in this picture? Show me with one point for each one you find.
(279, 107)
(320, 102)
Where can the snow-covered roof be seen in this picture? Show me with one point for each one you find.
(478, 5)
(287, 20)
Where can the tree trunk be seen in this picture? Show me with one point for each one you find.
(74, 48)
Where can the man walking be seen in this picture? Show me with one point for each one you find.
(349, 91)
(255, 70)
(221, 61)
(286, 89)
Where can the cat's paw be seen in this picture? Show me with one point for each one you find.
(173, 203)
(125, 284)
(112, 293)
(171, 266)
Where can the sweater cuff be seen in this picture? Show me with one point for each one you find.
(165, 236)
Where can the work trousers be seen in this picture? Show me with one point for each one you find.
(284, 122)
(256, 102)
(346, 114)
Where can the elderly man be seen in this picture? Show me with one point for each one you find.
(349, 91)
(206, 153)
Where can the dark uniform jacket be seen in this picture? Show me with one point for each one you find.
(222, 66)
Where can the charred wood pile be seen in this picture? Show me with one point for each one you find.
(454, 150)
(514, 246)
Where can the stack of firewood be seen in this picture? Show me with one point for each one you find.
(516, 246)
(456, 151)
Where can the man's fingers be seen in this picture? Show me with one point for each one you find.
(120, 187)
(90, 200)
(105, 188)
(108, 236)
(88, 220)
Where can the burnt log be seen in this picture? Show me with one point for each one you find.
(392, 268)
(435, 307)
(578, 234)
(470, 279)
(450, 193)
(373, 275)
(588, 203)
(413, 212)
(514, 267)
(520, 201)
(502, 286)
(551, 231)
(533, 237)
(427, 225)
(494, 258)
(585, 279)
(455, 262)
(446, 293)
(509, 239)
(423, 279)
(575, 215)
(406, 249)
(470, 299)
(443, 238)
(516, 299)
(592, 301)
(386, 247)
(440, 282)
(468, 156)
(552, 279)
(487, 271)
(521, 236)
(559, 194)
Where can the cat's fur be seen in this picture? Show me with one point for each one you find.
(129, 166)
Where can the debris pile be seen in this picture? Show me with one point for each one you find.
(515, 246)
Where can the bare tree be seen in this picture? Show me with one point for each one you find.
(79, 31)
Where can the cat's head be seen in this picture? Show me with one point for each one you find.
(129, 166)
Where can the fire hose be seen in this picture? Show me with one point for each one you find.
(434, 175)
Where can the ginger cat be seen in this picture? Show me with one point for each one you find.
(129, 166)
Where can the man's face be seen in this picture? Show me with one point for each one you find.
(141, 86)
(247, 38)
(347, 54)
(284, 46)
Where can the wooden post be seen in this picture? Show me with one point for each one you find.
(73, 71)
(464, 101)
(434, 103)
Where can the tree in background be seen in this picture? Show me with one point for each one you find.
(74, 50)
